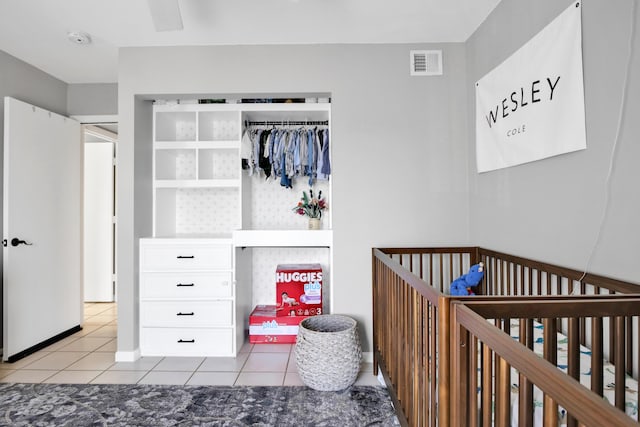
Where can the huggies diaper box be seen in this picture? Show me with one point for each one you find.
(266, 327)
(298, 290)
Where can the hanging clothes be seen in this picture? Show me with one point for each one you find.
(284, 153)
(263, 159)
(324, 165)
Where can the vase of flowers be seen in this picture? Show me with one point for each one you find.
(312, 207)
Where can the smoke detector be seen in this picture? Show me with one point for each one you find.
(79, 37)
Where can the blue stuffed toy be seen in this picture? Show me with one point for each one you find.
(463, 284)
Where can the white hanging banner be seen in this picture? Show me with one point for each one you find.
(531, 106)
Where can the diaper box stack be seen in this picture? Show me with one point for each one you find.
(265, 327)
(298, 289)
(298, 296)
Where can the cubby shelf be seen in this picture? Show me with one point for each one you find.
(197, 183)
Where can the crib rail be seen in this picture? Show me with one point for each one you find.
(478, 343)
(509, 275)
(407, 312)
(512, 275)
(412, 324)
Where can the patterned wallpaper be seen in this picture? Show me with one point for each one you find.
(271, 204)
(207, 210)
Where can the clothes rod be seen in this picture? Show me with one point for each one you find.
(289, 123)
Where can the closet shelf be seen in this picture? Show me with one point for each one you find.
(177, 145)
(197, 183)
(283, 238)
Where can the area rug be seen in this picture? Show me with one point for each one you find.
(161, 405)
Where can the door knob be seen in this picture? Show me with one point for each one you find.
(15, 242)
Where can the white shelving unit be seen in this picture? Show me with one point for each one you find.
(202, 200)
(197, 181)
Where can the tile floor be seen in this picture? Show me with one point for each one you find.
(88, 357)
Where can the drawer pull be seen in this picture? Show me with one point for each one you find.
(186, 341)
(185, 257)
(185, 314)
(185, 284)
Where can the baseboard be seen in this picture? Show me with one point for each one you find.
(128, 356)
(367, 357)
(41, 345)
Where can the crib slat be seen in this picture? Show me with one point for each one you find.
(503, 393)
(451, 276)
(583, 320)
(457, 417)
(539, 283)
(417, 348)
(472, 420)
(444, 384)
(405, 336)
(550, 353)
(612, 340)
(441, 271)
(620, 363)
(525, 387)
(573, 357)
(432, 365)
(487, 375)
(548, 280)
(628, 343)
(496, 273)
(597, 356)
(501, 272)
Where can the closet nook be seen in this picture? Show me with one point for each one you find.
(225, 180)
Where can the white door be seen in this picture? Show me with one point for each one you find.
(98, 215)
(42, 295)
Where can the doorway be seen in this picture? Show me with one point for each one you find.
(99, 273)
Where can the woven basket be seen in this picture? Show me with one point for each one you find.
(328, 352)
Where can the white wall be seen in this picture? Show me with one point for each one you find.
(550, 210)
(92, 99)
(399, 146)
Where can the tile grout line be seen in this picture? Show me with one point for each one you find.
(194, 371)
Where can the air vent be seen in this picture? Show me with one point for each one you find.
(426, 62)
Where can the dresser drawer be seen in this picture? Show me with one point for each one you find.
(186, 313)
(168, 257)
(186, 342)
(186, 285)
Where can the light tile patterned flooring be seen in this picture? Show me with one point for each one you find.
(88, 357)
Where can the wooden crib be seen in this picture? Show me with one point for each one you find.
(448, 361)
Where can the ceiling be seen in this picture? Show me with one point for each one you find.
(35, 31)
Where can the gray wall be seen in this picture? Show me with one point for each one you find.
(26, 83)
(399, 147)
(92, 99)
(550, 210)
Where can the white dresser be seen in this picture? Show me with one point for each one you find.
(188, 298)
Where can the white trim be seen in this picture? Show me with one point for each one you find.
(128, 356)
(92, 119)
(367, 357)
(100, 133)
